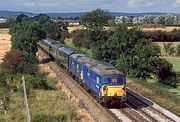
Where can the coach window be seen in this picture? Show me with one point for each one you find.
(77, 66)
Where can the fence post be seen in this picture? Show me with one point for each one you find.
(25, 99)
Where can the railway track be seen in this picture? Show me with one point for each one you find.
(135, 109)
(98, 112)
(146, 108)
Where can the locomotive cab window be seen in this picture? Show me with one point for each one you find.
(114, 80)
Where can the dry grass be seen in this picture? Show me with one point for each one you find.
(167, 29)
(70, 29)
(5, 43)
(16, 111)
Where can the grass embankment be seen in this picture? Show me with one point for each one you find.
(45, 105)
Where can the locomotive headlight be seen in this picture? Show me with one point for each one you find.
(124, 88)
(105, 88)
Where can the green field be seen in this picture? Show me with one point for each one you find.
(175, 62)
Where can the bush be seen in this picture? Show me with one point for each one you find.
(13, 62)
(164, 70)
(162, 36)
(49, 118)
(36, 82)
(79, 39)
(17, 62)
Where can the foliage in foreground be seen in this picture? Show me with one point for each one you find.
(50, 118)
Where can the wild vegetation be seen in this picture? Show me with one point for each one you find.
(22, 60)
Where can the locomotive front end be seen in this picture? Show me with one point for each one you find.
(114, 90)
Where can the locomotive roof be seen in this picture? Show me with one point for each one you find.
(66, 50)
(105, 69)
(56, 46)
(49, 41)
(96, 66)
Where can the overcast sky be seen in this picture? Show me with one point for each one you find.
(88, 5)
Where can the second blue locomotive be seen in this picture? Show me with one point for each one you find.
(103, 80)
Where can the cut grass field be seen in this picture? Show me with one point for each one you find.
(175, 61)
(164, 28)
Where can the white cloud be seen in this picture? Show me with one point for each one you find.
(141, 3)
(177, 1)
(88, 5)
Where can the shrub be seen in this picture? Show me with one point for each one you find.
(50, 118)
(164, 70)
(42, 118)
(163, 36)
(17, 62)
(13, 62)
(79, 39)
(36, 82)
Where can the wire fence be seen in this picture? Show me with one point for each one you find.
(25, 100)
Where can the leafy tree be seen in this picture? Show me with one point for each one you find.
(79, 39)
(50, 28)
(25, 36)
(42, 18)
(164, 69)
(22, 17)
(96, 19)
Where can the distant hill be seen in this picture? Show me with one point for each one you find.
(14, 13)
(68, 15)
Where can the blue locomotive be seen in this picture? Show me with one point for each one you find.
(107, 83)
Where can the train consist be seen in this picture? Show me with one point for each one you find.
(107, 83)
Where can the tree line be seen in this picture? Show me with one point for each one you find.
(163, 36)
